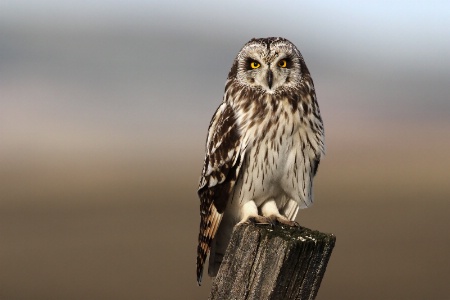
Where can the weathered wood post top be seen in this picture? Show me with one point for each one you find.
(273, 262)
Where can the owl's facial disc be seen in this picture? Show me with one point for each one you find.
(268, 65)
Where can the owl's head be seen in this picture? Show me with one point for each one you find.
(270, 65)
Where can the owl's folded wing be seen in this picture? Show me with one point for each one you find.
(220, 171)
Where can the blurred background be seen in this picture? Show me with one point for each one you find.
(104, 109)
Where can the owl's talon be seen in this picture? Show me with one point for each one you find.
(284, 221)
(260, 220)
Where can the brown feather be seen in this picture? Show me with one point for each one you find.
(219, 175)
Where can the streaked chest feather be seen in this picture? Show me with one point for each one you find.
(278, 152)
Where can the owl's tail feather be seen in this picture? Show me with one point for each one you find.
(208, 227)
(220, 244)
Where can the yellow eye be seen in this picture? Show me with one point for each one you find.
(282, 63)
(255, 65)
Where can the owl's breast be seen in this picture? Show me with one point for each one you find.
(277, 158)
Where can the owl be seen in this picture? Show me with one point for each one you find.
(263, 147)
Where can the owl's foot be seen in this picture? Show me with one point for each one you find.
(249, 213)
(261, 220)
(284, 221)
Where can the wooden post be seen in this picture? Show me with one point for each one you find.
(282, 262)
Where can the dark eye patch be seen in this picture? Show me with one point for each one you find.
(249, 61)
(289, 62)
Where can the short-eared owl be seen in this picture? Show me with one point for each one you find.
(263, 147)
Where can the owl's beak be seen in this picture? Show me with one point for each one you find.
(269, 78)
